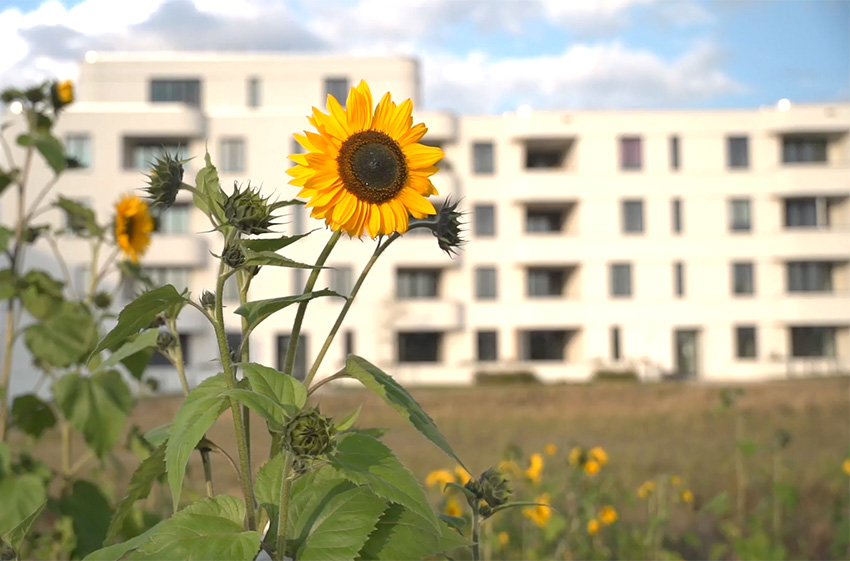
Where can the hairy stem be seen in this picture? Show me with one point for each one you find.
(476, 534)
(283, 508)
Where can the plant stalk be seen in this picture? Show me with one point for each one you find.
(283, 508)
(476, 534)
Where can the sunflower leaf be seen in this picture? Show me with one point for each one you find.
(208, 195)
(272, 259)
(256, 312)
(139, 314)
(273, 244)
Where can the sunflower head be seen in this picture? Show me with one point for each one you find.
(62, 94)
(494, 487)
(248, 211)
(165, 180)
(310, 434)
(133, 227)
(364, 170)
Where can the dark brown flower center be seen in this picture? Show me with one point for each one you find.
(372, 166)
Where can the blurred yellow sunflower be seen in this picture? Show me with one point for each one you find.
(453, 508)
(607, 515)
(598, 453)
(462, 475)
(365, 171)
(575, 456)
(550, 449)
(593, 527)
(687, 496)
(439, 477)
(535, 468)
(504, 538)
(133, 226)
(540, 513)
(592, 467)
(845, 465)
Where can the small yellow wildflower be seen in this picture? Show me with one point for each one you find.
(539, 514)
(645, 489)
(462, 475)
(675, 480)
(593, 527)
(509, 467)
(65, 91)
(845, 465)
(607, 515)
(598, 453)
(453, 508)
(535, 468)
(687, 496)
(592, 467)
(575, 456)
(439, 477)
(504, 538)
(550, 449)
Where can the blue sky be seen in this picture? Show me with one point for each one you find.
(485, 55)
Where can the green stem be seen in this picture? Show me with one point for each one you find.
(236, 410)
(178, 356)
(740, 473)
(302, 306)
(476, 533)
(205, 459)
(348, 301)
(243, 280)
(338, 375)
(283, 508)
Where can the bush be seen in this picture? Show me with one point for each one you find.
(616, 376)
(502, 378)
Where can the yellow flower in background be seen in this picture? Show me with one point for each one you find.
(575, 456)
(687, 496)
(593, 527)
(645, 489)
(133, 226)
(365, 170)
(504, 538)
(509, 467)
(845, 465)
(462, 475)
(535, 468)
(607, 515)
(598, 453)
(675, 480)
(550, 449)
(439, 477)
(592, 467)
(452, 508)
(539, 514)
(65, 91)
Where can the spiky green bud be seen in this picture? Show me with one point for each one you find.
(309, 434)
(248, 211)
(164, 181)
(233, 256)
(494, 487)
(207, 299)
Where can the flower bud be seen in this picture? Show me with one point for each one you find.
(494, 487)
(247, 210)
(309, 434)
(207, 299)
(233, 255)
(102, 300)
(164, 340)
(165, 180)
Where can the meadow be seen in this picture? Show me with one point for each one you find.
(649, 432)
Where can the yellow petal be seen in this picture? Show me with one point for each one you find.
(413, 135)
(374, 224)
(359, 108)
(338, 114)
(387, 218)
(402, 218)
(416, 203)
(382, 113)
(344, 209)
(401, 119)
(421, 156)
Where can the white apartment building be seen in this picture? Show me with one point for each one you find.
(710, 244)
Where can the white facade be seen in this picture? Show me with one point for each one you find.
(561, 203)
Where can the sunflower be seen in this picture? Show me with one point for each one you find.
(133, 226)
(365, 171)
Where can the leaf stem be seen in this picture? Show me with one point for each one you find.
(340, 374)
(283, 508)
(205, 460)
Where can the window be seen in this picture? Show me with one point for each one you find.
(801, 149)
(743, 278)
(545, 282)
(231, 289)
(159, 359)
(417, 283)
(299, 367)
(745, 342)
(544, 345)
(676, 215)
(176, 276)
(486, 283)
(232, 155)
(483, 158)
(802, 212)
(141, 153)
(419, 347)
(632, 217)
(621, 279)
(616, 352)
(488, 346)
(182, 91)
(679, 279)
(340, 281)
(253, 92)
(630, 153)
(174, 220)
(78, 148)
(543, 220)
(738, 152)
(544, 158)
(337, 87)
(674, 152)
(813, 341)
(739, 215)
(348, 343)
(484, 219)
(809, 276)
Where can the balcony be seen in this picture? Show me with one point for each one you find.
(427, 314)
(545, 186)
(177, 250)
(145, 119)
(814, 307)
(442, 126)
(810, 179)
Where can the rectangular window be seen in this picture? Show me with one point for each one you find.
(616, 352)
(417, 283)
(745, 342)
(78, 149)
(174, 220)
(483, 158)
(813, 341)
(631, 157)
(676, 219)
(232, 156)
(544, 344)
(141, 153)
(419, 347)
(809, 276)
(679, 279)
(486, 283)
(299, 367)
(802, 149)
(543, 220)
(176, 276)
(231, 289)
(738, 152)
(802, 212)
(674, 152)
(348, 343)
(544, 158)
(621, 279)
(545, 282)
(743, 278)
(488, 345)
(180, 91)
(159, 359)
(740, 219)
(337, 87)
(632, 216)
(484, 220)
(341, 280)
(254, 98)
